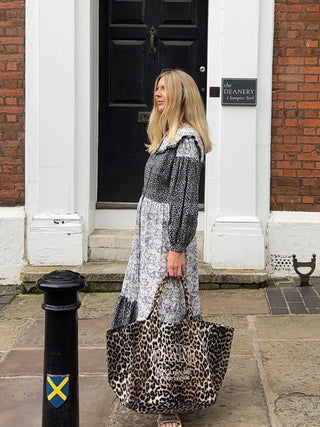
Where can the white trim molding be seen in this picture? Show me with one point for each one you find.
(61, 128)
(55, 239)
(240, 44)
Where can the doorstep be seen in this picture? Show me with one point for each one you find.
(108, 277)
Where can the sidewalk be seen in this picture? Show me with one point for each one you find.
(273, 377)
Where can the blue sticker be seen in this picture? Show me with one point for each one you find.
(57, 389)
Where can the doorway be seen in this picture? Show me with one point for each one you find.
(137, 39)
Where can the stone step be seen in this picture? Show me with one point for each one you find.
(115, 245)
(108, 277)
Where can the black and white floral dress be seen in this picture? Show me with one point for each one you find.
(167, 216)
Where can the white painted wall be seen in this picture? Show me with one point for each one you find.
(293, 233)
(12, 227)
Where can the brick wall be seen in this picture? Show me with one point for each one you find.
(295, 168)
(12, 117)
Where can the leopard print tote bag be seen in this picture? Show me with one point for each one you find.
(157, 367)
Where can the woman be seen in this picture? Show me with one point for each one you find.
(167, 212)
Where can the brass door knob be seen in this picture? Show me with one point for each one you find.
(202, 69)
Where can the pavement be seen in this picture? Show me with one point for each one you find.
(273, 377)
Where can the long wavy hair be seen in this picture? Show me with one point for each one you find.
(183, 106)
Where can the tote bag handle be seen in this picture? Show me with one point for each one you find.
(154, 309)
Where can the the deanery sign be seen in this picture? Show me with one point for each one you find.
(239, 92)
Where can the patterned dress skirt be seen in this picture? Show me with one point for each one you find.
(148, 265)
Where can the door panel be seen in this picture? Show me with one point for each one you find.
(177, 51)
(128, 67)
(124, 88)
(126, 12)
(174, 12)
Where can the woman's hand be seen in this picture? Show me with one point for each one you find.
(176, 263)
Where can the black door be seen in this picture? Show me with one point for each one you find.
(137, 40)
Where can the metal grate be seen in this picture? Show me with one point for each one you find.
(281, 262)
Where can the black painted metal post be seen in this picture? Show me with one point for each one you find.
(60, 406)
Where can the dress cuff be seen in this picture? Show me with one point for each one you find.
(177, 248)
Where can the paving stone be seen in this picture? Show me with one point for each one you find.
(30, 362)
(287, 328)
(230, 302)
(298, 410)
(24, 307)
(92, 332)
(96, 399)
(22, 363)
(277, 300)
(307, 291)
(310, 297)
(238, 321)
(11, 290)
(5, 299)
(92, 361)
(277, 303)
(293, 367)
(97, 305)
(279, 310)
(292, 295)
(317, 289)
(11, 331)
(21, 402)
(297, 308)
(274, 292)
(242, 343)
(311, 302)
(32, 337)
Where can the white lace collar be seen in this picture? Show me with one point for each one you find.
(181, 132)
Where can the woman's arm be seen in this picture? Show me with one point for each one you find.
(183, 203)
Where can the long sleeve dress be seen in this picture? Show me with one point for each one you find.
(167, 216)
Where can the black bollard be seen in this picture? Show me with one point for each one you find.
(60, 405)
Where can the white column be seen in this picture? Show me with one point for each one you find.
(58, 136)
(86, 112)
(235, 216)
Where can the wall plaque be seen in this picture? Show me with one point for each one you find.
(239, 91)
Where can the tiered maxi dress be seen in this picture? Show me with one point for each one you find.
(167, 216)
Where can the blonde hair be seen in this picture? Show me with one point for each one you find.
(183, 105)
